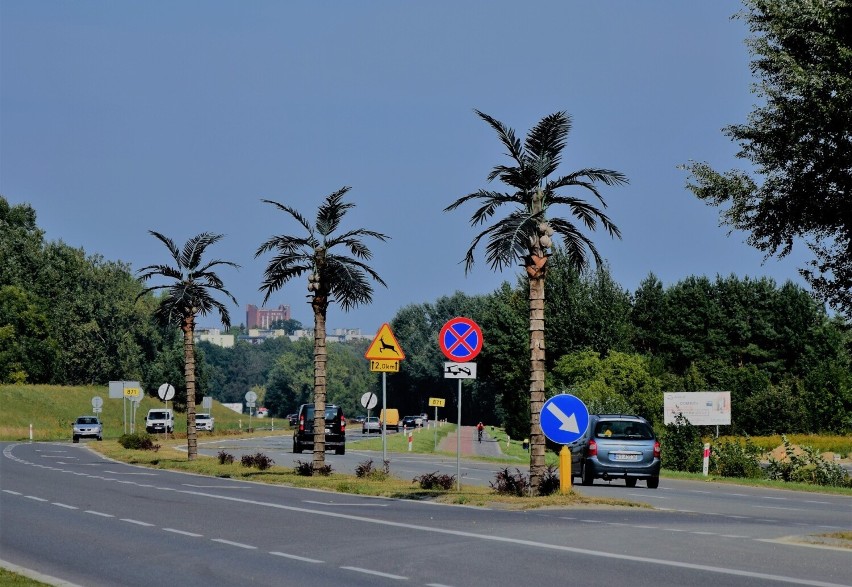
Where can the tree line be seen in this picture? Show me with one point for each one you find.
(68, 318)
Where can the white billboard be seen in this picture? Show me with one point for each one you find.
(700, 408)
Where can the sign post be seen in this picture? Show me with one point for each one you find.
(564, 419)
(251, 397)
(438, 402)
(460, 340)
(384, 354)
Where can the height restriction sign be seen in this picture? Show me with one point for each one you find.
(460, 339)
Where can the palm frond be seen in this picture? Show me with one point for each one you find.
(509, 239)
(546, 139)
(575, 243)
(195, 247)
(294, 213)
(170, 244)
(286, 243)
(505, 134)
(331, 211)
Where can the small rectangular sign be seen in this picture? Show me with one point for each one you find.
(700, 408)
(385, 365)
(459, 370)
(437, 402)
(132, 392)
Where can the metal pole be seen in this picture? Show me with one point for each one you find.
(385, 417)
(435, 426)
(458, 443)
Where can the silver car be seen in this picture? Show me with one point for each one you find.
(371, 425)
(616, 446)
(87, 426)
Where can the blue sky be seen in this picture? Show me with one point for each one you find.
(121, 117)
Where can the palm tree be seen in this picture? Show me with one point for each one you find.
(329, 275)
(526, 232)
(188, 295)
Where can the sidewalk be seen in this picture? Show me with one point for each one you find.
(489, 447)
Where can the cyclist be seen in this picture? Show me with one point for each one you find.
(479, 428)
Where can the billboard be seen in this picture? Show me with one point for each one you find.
(701, 408)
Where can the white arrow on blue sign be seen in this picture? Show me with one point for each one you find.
(564, 418)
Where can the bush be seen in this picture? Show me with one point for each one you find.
(259, 460)
(808, 467)
(366, 470)
(138, 441)
(734, 459)
(507, 483)
(549, 481)
(435, 481)
(683, 449)
(304, 469)
(225, 458)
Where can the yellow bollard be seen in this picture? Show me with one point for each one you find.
(564, 470)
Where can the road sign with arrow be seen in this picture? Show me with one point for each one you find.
(564, 418)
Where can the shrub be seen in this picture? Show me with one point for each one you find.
(549, 481)
(435, 481)
(225, 458)
(683, 449)
(734, 459)
(259, 460)
(508, 483)
(366, 470)
(807, 467)
(307, 469)
(138, 441)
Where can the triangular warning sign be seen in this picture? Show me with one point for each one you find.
(384, 346)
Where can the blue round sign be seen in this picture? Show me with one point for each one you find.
(460, 339)
(564, 418)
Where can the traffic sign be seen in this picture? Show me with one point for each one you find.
(385, 347)
(460, 339)
(369, 400)
(387, 366)
(132, 392)
(251, 397)
(564, 418)
(437, 402)
(97, 402)
(459, 370)
(166, 392)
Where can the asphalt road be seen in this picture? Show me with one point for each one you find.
(70, 514)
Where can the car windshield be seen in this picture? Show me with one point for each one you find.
(373, 419)
(623, 429)
(330, 413)
(159, 415)
(86, 421)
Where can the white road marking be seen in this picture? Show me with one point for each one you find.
(182, 532)
(304, 559)
(376, 573)
(65, 505)
(237, 544)
(334, 503)
(34, 498)
(101, 514)
(137, 522)
(777, 507)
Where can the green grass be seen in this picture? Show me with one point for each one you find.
(52, 409)
(10, 579)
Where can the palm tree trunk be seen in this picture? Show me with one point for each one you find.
(537, 371)
(320, 306)
(189, 375)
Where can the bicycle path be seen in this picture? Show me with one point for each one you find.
(489, 447)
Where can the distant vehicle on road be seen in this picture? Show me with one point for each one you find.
(204, 422)
(392, 418)
(617, 447)
(159, 420)
(410, 421)
(371, 425)
(335, 429)
(293, 419)
(87, 426)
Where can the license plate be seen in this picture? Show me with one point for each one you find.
(327, 430)
(625, 457)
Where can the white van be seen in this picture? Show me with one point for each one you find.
(160, 420)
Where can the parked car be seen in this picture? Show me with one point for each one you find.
(87, 426)
(204, 422)
(335, 429)
(293, 419)
(616, 446)
(371, 425)
(360, 419)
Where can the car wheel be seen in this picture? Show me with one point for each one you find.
(587, 477)
(100, 437)
(76, 438)
(653, 482)
(631, 482)
(297, 448)
(340, 451)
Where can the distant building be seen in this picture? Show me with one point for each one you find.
(258, 335)
(263, 318)
(214, 336)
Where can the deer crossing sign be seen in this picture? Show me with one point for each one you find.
(384, 347)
